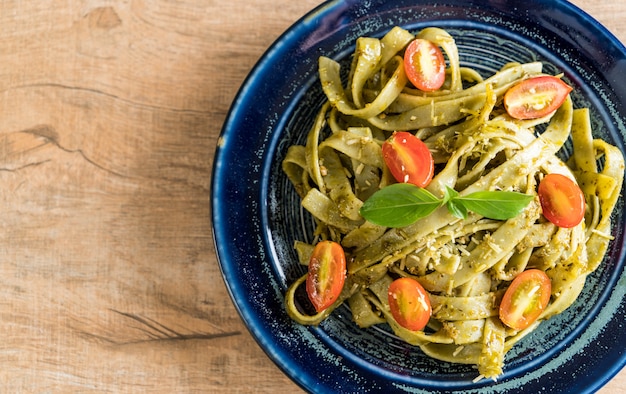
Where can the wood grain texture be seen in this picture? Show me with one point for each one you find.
(110, 113)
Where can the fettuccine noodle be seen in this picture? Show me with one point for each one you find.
(465, 265)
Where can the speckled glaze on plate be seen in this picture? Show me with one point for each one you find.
(257, 216)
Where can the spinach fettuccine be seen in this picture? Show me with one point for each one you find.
(465, 261)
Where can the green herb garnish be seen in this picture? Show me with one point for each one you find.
(402, 204)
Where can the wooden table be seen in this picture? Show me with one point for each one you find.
(110, 113)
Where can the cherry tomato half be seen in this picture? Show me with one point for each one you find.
(562, 201)
(424, 65)
(409, 303)
(525, 299)
(535, 97)
(408, 159)
(326, 275)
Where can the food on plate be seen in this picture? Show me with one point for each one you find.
(444, 204)
(326, 275)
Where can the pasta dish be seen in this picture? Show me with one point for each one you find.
(444, 203)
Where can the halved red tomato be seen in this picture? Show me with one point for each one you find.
(408, 159)
(409, 303)
(535, 97)
(326, 275)
(562, 201)
(424, 65)
(525, 299)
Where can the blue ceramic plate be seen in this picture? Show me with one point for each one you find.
(257, 215)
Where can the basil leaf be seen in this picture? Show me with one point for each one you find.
(399, 205)
(456, 208)
(497, 205)
(449, 194)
